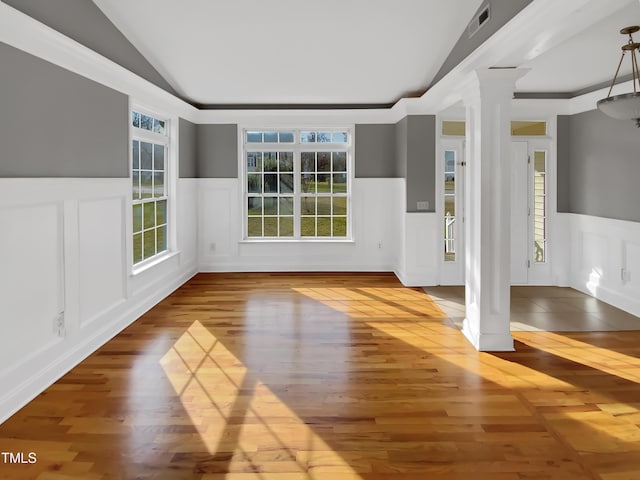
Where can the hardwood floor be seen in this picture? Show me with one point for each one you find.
(546, 309)
(331, 376)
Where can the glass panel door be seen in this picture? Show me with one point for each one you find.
(451, 179)
(449, 205)
(539, 209)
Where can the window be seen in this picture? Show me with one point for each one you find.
(518, 128)
(297, 183)
(453, 128)
(528, 128)
(149, 165)
(449, 205)
(539, 206)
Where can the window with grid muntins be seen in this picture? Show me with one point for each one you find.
(149, 186)
(297, 184)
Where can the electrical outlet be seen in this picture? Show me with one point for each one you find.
(212, 247)
(625, 275)
(380, 244)
(422, 205)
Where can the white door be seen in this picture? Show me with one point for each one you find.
(538, 193)
(529, 213)
(452, 166)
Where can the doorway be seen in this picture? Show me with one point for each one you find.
(529, 212)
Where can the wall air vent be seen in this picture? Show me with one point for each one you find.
(479, 20)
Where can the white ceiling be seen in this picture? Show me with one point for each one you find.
(347, 51)
(589, 58)
(293, 51)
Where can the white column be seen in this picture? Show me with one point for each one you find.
(487, 208)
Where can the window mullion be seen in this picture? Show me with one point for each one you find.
(297, 187)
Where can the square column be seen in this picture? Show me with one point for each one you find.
(488, 208)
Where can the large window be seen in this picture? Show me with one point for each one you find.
(297, 183)
(149, 166)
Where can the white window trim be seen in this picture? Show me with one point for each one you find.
(296, 147)
(170, 142)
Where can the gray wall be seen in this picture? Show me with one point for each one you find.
(217, 151)
(188, 149)
(501, 12)
(375, 151)
(420, 141)
(54, 123)
(401, 147)
(85, 23)
(404, 150)
(604, 166)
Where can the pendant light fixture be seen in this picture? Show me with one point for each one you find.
(627, 105)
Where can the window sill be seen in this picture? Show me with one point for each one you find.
(143, 267)
(296, 241)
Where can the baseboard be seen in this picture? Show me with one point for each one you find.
(262, 267)
(626, 301)
(416, 279)
(488, 342)
(63, 361)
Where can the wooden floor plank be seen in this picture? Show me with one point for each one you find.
(342, 376)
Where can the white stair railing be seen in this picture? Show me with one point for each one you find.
(449, 243)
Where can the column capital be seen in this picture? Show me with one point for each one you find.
(491, 82)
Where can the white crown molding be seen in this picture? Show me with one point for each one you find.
(31, 36)
(588, 101)
(306, 117)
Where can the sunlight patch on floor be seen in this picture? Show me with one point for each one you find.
(237, 416)
(376, 302)
(603, 359)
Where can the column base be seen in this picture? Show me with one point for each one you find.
(488, 342)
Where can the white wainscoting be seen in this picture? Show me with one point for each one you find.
(101, 247)
(31, 277)
(419, 250)
(376, 207)
(605, 260)
(63, 249)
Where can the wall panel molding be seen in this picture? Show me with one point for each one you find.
(64, 249)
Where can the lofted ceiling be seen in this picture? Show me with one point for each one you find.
(350, 52)
(293, 51)
(585, 60)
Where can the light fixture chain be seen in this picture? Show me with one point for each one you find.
(636, 72)
(613, 82)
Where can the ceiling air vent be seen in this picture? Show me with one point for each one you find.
(479, 21)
